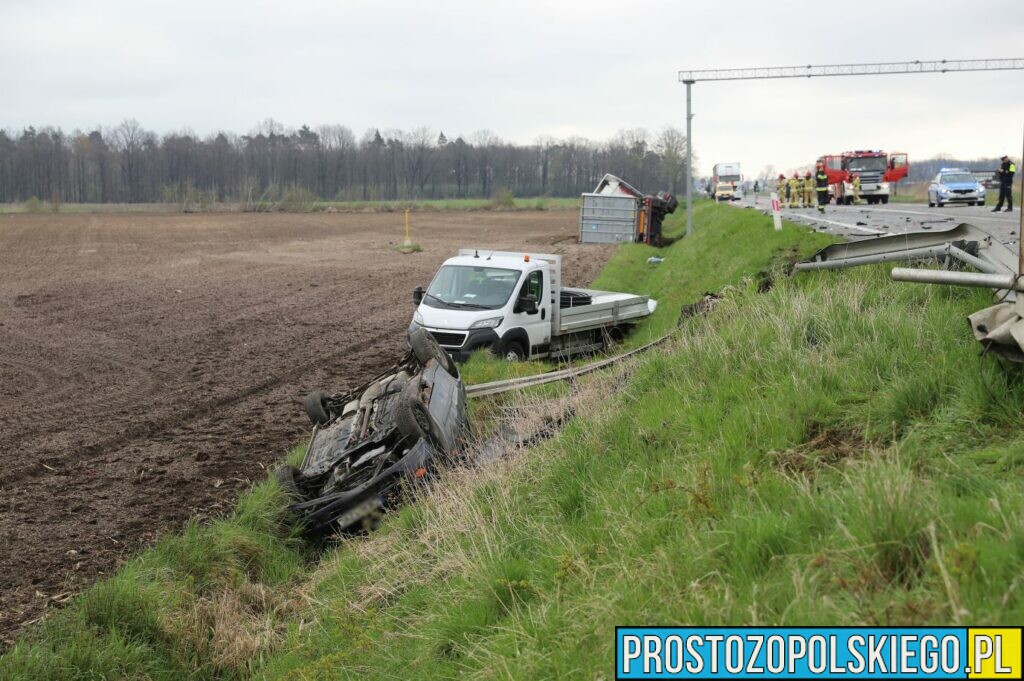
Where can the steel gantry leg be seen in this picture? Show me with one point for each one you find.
(689, 163)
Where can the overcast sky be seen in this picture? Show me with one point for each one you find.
(522, 69)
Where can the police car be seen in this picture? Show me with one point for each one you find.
(955, 185)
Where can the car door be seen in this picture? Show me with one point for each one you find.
(537, 323)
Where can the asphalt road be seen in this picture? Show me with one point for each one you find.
(859, 222)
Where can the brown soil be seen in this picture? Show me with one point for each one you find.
(153, 366)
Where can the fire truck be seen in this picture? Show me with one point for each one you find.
(878, 170)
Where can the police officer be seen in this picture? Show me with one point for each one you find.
(794, 191)
(821, 186)
(808, 190)
(1006, 171)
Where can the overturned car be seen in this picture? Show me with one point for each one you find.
(370, 443)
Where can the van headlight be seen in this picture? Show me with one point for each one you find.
(417, 318)
(490, 323)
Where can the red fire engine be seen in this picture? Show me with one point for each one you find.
(877, 171)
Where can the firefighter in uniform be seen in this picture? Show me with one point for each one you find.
(821, 186)
(855, 181)
(1006, 171)
(808, 190)
(794, 191)
(783, 189)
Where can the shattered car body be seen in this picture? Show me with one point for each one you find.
(368, 444)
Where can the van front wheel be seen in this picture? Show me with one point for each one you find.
(514, 352)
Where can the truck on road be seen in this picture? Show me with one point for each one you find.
(725, 182)
(877, 170)
(515, 305)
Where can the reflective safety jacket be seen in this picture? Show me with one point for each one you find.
(821, 181)
(1006, 171)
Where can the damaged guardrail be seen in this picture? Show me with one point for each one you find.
(1000, 327)
(496, 387)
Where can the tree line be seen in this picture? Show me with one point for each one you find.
(129, 164)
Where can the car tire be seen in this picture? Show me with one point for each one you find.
(939, 204)
(931, 204)
(285, 476)
(413, 419)
(426, 348)
(316, 407)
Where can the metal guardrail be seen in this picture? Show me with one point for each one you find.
(497, 387)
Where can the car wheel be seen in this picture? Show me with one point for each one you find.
(885, 199)
(425, 347)
(316, 407)
(285, 476)
(931, 204)
(413, 419)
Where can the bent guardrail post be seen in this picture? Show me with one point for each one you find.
(965, 242)
(1006, 282)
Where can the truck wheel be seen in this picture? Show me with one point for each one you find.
(413, 419)
(316, 407)
(885, 199)
(613, 336)
(425, 347)
(514, 352)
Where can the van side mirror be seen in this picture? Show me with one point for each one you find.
(417, 295)
(527, 304)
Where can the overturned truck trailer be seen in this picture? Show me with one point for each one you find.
(617, 212)
(1000, 327)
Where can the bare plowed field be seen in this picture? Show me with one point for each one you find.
(152, 366)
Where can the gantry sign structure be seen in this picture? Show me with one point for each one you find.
(688, 78)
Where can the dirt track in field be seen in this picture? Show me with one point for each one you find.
(152, 366)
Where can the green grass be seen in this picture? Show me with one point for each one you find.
(501, 204)
(828, 451)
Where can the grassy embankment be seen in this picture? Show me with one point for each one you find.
(501, 203)
(828, 451)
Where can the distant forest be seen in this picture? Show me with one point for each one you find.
(129, 164)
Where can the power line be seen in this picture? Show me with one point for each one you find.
(825, 71)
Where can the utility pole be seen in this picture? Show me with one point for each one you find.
(688, 78)
(689, 162)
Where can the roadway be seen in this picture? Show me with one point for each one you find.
(864, 221)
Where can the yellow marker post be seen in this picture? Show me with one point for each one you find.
(408, 241)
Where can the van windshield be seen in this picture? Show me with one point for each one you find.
(471, 287)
